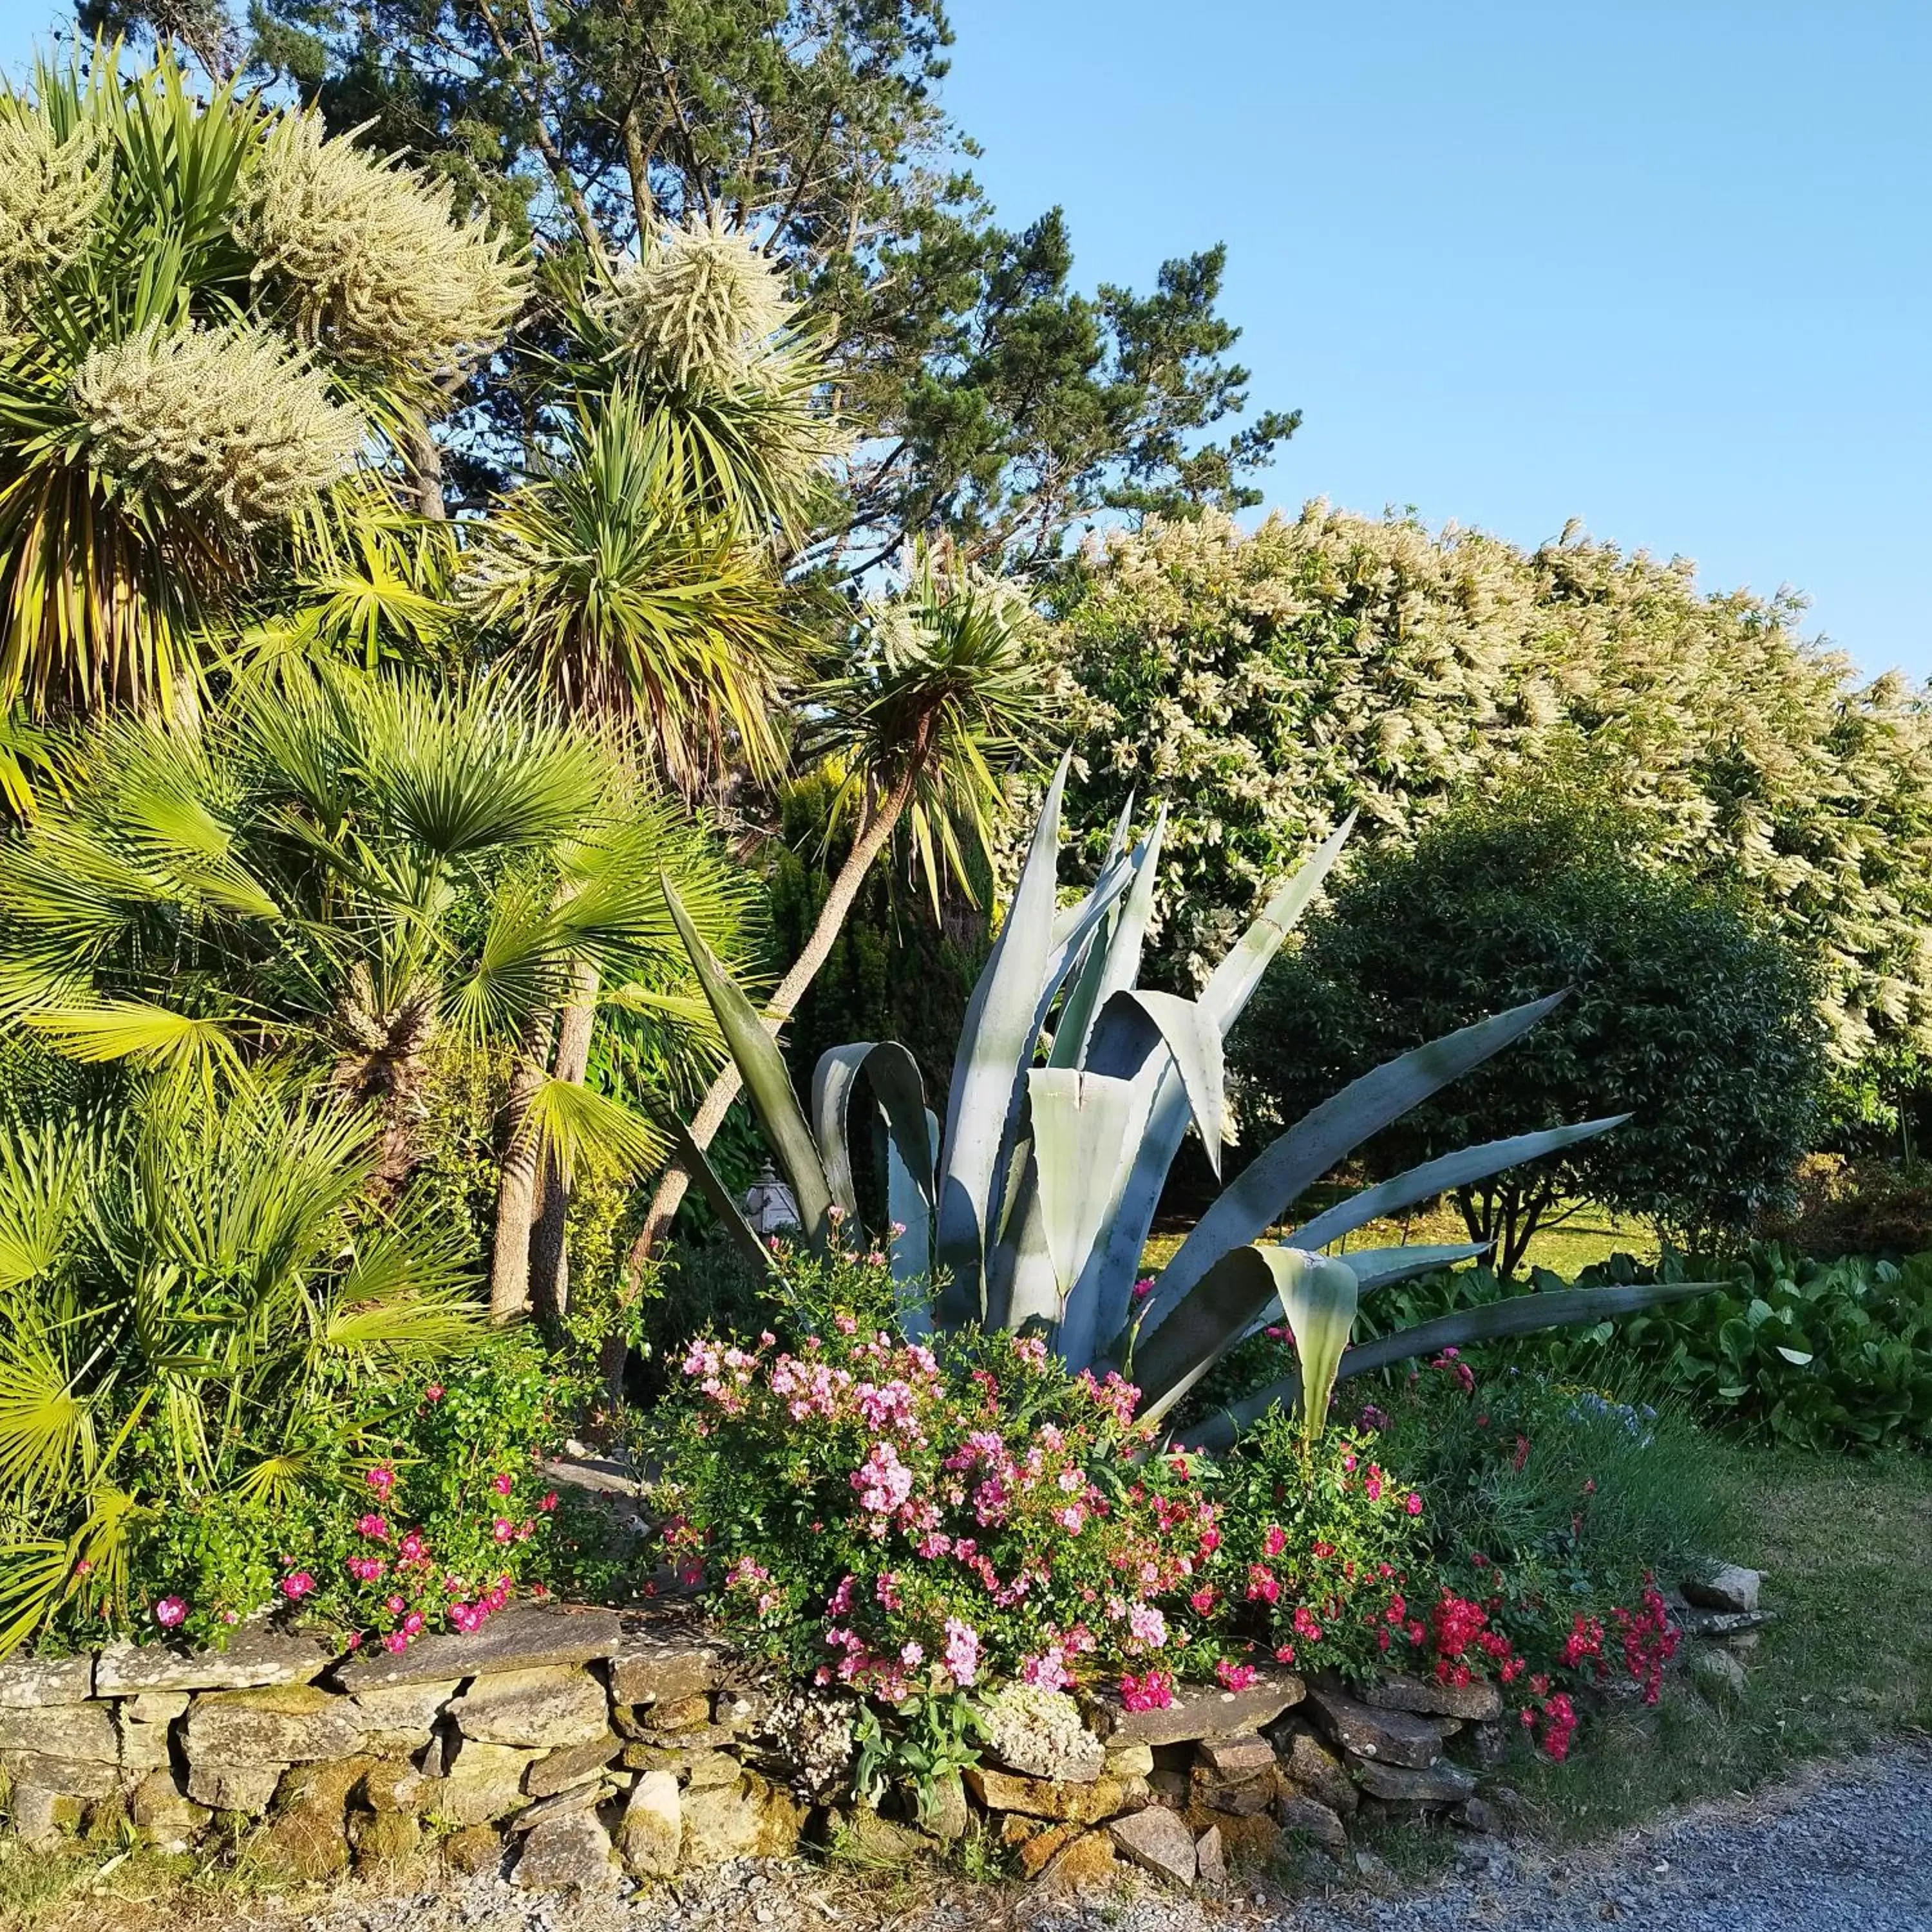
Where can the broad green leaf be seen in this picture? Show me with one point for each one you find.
(1134, 1026)
(1113, 958)
(767, 1080)
(1080, 1123)
(901, 1093)
(1378, 1268)
(150, 1035)
(1319, 1295)
(697, 1163)
(577, 1130)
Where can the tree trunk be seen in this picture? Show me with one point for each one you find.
(550, 1257)
(426, 464)
(873, 836)
(517, 1179)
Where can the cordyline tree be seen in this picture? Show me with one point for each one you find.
(987, 397)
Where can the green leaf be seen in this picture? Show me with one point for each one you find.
(901, 1092)
(1133, 1027)
(767, 1080)
(1080, 1124)
(575, 1129)
(1319, 1294)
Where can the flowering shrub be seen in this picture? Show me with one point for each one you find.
(434, 1518)
(898, 1517)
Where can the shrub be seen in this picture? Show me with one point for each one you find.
(1265, 683)
(1681, 1015)
(1866, 1206)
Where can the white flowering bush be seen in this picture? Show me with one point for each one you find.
(1262, 685)
(51, 184)
(223, 417)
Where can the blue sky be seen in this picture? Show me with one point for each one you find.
(1667, 267)
(1664, 267)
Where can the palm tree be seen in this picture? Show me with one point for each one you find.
(338, 874)
(187, 1291)
(213, 318)
(944, 684)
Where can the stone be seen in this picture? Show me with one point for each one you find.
(1489, 1745)
(1388, 1737)
(165, 1815)
(475, 1848)
(1306, 1761)
(397, 1719)
(1087, 1803)
(944, 1812)
(1730, 1587)
(572, 1852)
(572, 1764)
(741, 1711)
(233, 1785)
(525, 1634)
(78, 1777)
(1253, 1841)
(39, 1817)
(1441, 1783)
(549, 1706)
(1297, 1812)
(868, 1840)
(1719, 1676)
(1477, 1814)
(1236, 1757)
(651, 1827)
(1036, 1847)
(662, 1672)
(382, 1839)
(1159, 1841)
(560, 1804)
(144, 1747)
(1210, 1863)
(1239, 1796)
(1134, 1760)
(678, 1714)
(154, 1707)
(1477, 1702)
(1200, 1710)
(1087, 1864)
(1041, 1734)
(703, 1738)
(308, 1837)
(256, 1657)
(292, 1724)
(84, 1731)
(483, 1781)
(26, 1682)
(752, 1819)
(1721, 1623)
(394, 1787)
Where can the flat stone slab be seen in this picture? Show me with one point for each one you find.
(255, 1657)
(551, 1706)
(293, 1723)
(27, 1681)
(1387, 1737)
(1158, 1841)
(522, 1635)
(1730, 1587)
(1442, 1783)
(1087, 1802)
(62, 1730)
(1477, 1703)
(1199, 1711)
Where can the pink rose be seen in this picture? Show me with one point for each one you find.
(170, 1612)
(297, 1584)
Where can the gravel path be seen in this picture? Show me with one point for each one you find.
(1842, 1849)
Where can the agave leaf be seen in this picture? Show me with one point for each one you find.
(901, 1093)
(1319, 1296)
(1468, 1328)
(1113, 957)
(996, 1042)
(1134, 1025)
(1168, 1363)
(697, 1163)
(1423, 1183)
(1310, 1148)
(1079, 1130)
(1377, 1267)
(909, 1202)
(1137, 1196)
(767, 1080)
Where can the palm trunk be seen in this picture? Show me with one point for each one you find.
(550, 1257)
(873, 836)
(425, 460)
(517, 1178)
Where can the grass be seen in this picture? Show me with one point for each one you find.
(1586, 1235)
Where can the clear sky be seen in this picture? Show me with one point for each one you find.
(1663, 264)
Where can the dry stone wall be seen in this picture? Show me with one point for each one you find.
(581, 1745)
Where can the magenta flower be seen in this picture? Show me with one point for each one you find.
(297, 1584)
(382, 1479)
(503, 1485)
(1235, 1676)
(962, 1655)
(503, 1529)
(1415, 1504)
(1153, 1691)
(434, 1393)
(373, 1527)
(170, 1612)
(396, 1643)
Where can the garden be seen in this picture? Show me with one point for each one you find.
(757, 1104)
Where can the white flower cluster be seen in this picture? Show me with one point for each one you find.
(703, 307)
(49, 190)
(1265, 683)
(378, 269)
(220, 416)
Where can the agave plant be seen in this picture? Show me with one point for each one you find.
(1071, 1090)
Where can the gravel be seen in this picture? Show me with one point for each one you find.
(1842, 1849)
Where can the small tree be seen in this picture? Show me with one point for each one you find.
(1681, 1013)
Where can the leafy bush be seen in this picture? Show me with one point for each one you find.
(1265, 683)
(1868, 1206)
(1824, 1355)
(1681, 1015)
